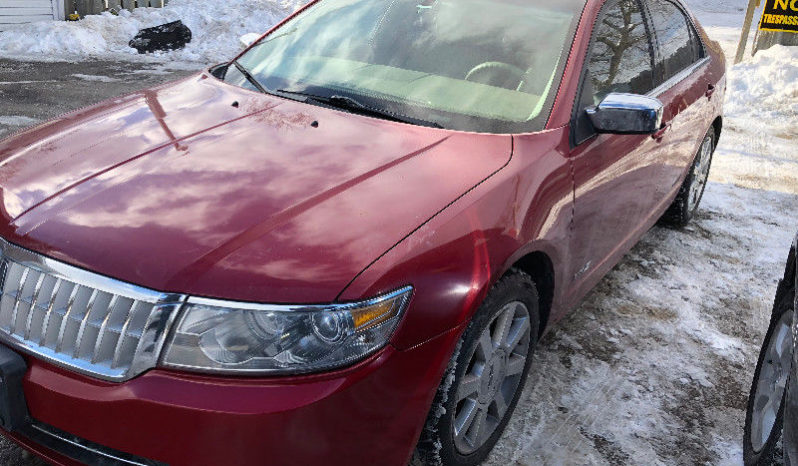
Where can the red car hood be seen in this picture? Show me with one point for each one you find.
(203, 188)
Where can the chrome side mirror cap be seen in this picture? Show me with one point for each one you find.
(627, 114)
(249, 39)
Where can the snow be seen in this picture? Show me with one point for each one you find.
(216, 25)
(765, 88)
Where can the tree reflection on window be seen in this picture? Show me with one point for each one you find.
(621, 56)
(679, 47)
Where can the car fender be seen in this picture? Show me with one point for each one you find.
(454, 258)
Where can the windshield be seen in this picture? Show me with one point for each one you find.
(472, 65)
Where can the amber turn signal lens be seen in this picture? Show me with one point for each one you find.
(374, 315)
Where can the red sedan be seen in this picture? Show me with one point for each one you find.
(343, 246)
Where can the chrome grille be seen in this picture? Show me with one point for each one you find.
(80, 320)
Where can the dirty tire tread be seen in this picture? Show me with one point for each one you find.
(769, 454)
(436, 445)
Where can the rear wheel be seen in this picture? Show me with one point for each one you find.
(686, 203)
(765, 412)
(485, 376)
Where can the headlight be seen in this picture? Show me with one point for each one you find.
(242, 338)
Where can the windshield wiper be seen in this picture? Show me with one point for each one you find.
(250, 78)
(355, 106)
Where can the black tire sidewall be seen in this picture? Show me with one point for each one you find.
(784, 303)
(515, 286)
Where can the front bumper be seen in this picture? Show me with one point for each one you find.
(371, 413)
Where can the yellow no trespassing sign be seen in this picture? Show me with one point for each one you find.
(780, 15)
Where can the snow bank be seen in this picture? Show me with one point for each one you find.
(765, 86)
(216, 26)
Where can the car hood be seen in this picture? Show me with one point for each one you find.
(202, 188)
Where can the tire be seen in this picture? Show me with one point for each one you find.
(442, 443)
(758, 450)
(690, 194)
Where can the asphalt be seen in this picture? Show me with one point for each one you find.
(34, 92)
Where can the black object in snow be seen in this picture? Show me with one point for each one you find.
(170, 36)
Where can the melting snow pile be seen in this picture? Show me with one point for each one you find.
(765, 87)
(216, 26)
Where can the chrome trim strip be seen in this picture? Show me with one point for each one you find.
(103, 327)
(50, 309)
(77, 275)
(679, 77)
(59, 342)
(154, 334)
(18, 299)
(247, 306)
(116, 459)
(84, 321)
(62, 360)
(122, 333)
(32, 309)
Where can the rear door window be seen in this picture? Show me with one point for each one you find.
(677, 40)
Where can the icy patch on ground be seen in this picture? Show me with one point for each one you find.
(15, 120)
(91, 77)
(14, 123)
(216, 26)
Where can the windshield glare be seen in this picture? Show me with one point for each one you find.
(471, 65)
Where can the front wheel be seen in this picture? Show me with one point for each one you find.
(485, 377)
(686, 203)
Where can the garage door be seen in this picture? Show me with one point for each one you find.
(28, 11)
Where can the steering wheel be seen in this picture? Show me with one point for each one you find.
(491, 66)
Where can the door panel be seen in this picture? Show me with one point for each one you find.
(613, 174)
(614, 199)
(686, 111)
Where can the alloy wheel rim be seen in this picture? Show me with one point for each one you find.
(492, 377)
(700, 174)
(772, 382)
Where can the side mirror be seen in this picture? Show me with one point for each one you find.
(627, 114)
(249, 39)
